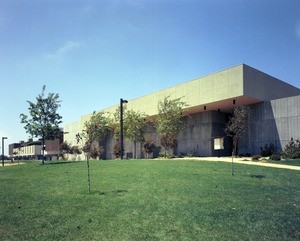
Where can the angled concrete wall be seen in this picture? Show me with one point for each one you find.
(264, 87)
(275, 122)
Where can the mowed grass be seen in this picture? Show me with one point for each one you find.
(148, 200)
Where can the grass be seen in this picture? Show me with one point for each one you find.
(148, 200)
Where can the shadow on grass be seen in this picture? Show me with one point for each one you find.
(258, 176)
(118, 192)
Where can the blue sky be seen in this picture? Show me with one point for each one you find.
(94, 52)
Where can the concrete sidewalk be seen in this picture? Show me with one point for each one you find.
(242, 160)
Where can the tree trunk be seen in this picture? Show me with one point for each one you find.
(43, 150)
(134, 149)
(89, 176)
(235, 140)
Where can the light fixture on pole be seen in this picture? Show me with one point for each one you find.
(121, 126)
(3, 138)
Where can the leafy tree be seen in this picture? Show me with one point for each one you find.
(115, 127)
(134, 125)
(170, 121)
(115, 122)
(237, 126)
(95, 131)
(96, 128)
(43, 120)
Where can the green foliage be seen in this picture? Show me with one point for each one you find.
(64, 149)
(97, 127)
(149, 146)
(76, 150)
(97, 152)
(256, 157)
(275, 157)
(169, 121)
(268, 150)
(43, 120)
(117, 149)
(134, 125)
(292, 149)
(192, 154)
(166, 153)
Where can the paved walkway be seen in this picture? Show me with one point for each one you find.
(242, 161)
(6, 164)
(220, 159)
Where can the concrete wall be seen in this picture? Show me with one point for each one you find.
(198, 136)
(264, 87)
(275, 121)
(221, 90)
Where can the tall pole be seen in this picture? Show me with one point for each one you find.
(3, 138)
(121, 127)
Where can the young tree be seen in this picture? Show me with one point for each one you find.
(134, 123)
(170, 122)
(43, 120)
(95, 131)
(237, 126)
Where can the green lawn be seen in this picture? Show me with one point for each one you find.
(148, 200)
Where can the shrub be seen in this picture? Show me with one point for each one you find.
(166, 153)
(117, 149)
(76, 150)
(149, 146)
(97, 152)
(192, 154)
(268, 150)
(275, 157)
(256, 157)
(292, 149)
(181, 155)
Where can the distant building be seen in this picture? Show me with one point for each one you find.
(211, 99)
(31, 150)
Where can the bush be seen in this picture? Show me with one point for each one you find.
(256, 157)
(268, 150)
(166, 153)
(275, 157)
(292, 149)
(149, 146)
(117, 149)
(97, 152)
(181, 155)
(192, 154)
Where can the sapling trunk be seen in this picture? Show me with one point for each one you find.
(89, 176)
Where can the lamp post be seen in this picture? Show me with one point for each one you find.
(3, 138)
(121, 126)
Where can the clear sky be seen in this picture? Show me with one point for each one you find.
(93, 52)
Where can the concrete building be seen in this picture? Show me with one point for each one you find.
(33, 149)
(210, 100)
